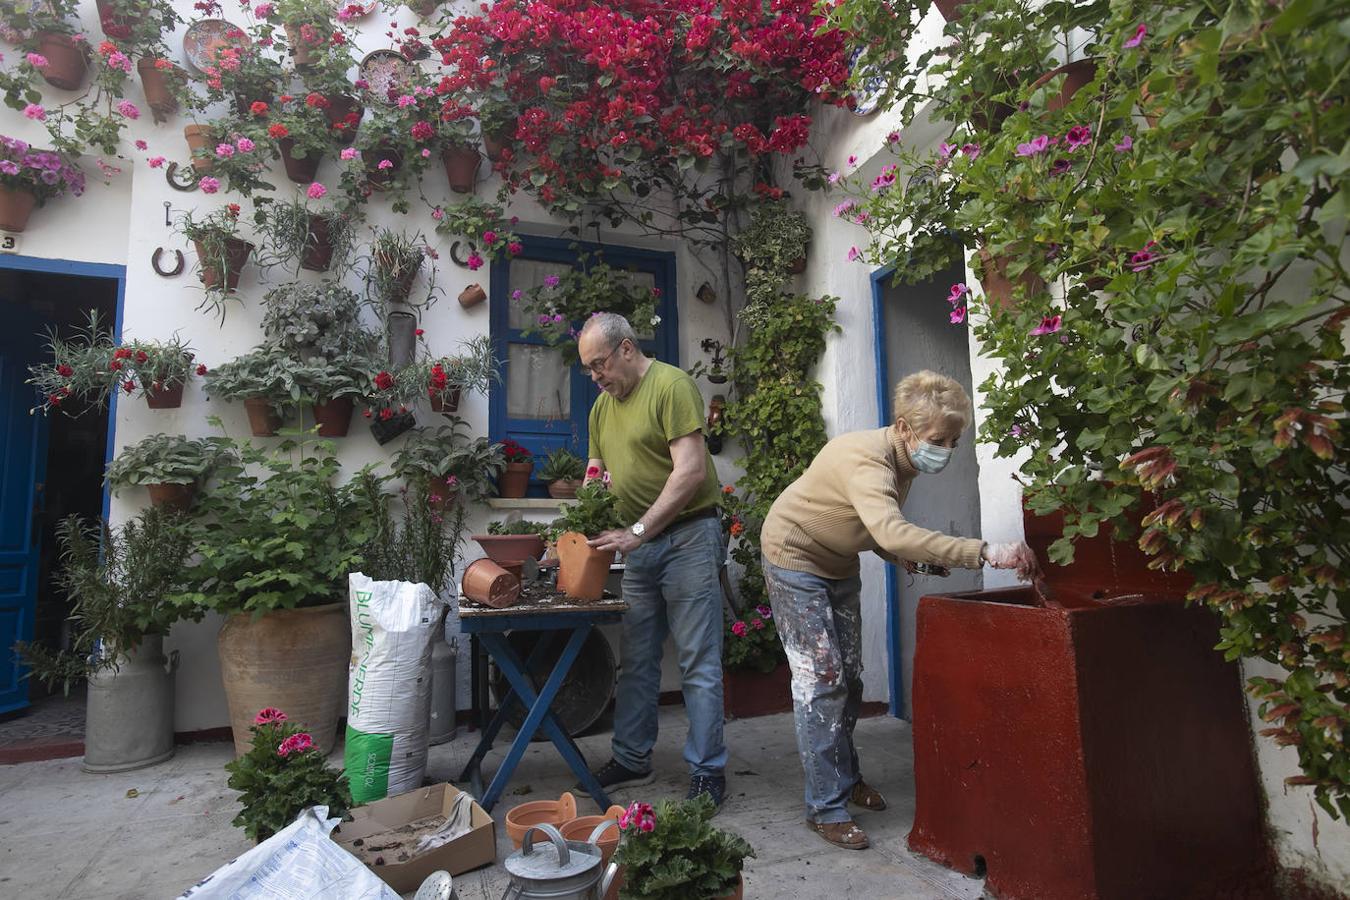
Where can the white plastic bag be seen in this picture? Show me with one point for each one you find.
(299, 862)
(388, 685)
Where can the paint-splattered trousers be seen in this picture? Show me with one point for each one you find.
(820, 623)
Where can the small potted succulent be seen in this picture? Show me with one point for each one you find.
(776, 240)
(258, 379)
(515, 480)
(221, 252)
(29, 178)
(316, 239)
(562, 471)
(170, 467)
(582, 570)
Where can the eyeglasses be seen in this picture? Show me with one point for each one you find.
(597, 367)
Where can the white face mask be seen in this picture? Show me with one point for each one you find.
(930, 458)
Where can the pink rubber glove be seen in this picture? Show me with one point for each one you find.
(1013, 555)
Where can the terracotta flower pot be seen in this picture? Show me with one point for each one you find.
(582, 570)
(522, 818)
(564, 488)
(440, 496)
(340, 106)
(172, 496)
(67, 61)
(1079, 74)
(739, 893)
(446, 401)
(114, 26)
(797, 266)
(167, 397)
(511, 548)
(301, 53)
(16, 205)
(488, 583)
(263, 420)
(300, 169)
(199, 138)
(461, 168)
(472, 295)
(244, 100)
(424, 8)
(494, 142)
(291, 659)
(747, 693)
(950, 9)
(333, 417)
(378, 178)
(237, 252)
(999, 288)
(513, 482)
(155, 82)
(318, 253)
(580, 828)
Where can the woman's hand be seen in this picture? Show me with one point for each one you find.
(1013, 555)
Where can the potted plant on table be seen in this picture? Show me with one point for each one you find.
(171, 467)
(120, 581)
(672, 852)
(515, 479)
(258, 378)
(582, 570)
(562, 471)
(511, 542)
(274, 538)
(29, 178)
(283, 773)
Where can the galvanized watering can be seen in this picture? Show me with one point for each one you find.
(559, 869)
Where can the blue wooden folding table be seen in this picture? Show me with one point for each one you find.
(561, 618)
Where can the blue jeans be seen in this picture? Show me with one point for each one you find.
(672, 587)
(820, 623)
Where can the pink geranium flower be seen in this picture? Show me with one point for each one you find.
(1078, 136)
(1139, 34)
(35, 111)
(316, 191)
(958, 291)
(209, 185)
(225, 151)
(296, 743)
(141, 145)
(155, 161)
(1049, 325)
(271, 713)
(349, 153)
(128, 109)
(958, 315)
(591, 471)
(1143, 259)
(245, 145)
(739, 629)
(1126, 143)
(853, 254)
(36, 60)
(1034, 147)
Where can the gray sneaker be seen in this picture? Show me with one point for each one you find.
(615, 774)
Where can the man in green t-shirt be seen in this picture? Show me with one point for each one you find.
(646, 429)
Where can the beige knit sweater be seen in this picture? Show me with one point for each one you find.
(849, 501)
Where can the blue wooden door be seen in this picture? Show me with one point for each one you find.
(23, 463)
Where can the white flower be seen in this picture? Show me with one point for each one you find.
(656, 320)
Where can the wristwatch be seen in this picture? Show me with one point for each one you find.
(638, 530)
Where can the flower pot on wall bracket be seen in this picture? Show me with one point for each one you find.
(515, 480)
(114, 26)
(950, 9)
(301, 52)
(582, 570)
(488, 583)
(172, 496)
(333, 417)
(67, 60)
(340, 108)
(461, 168)
(300, 169)
(16, 206)
(401, 327)
(164, 397)
(797, 266)
(155, 84)
(235, 258)
(472, 295)
(318, 253)
(263, 419)
(495, 142)
(379, 177)
(1000, 289)
(564, 488)
(446, 401)
(199, 138)
(1078, 75)
(385, 430)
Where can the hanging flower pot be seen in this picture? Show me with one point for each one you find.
(301, 52)
(564, 488)
(318, 252)
(263, 419)
(950, 9)
(402, 330)
(1078, 74)
(114, 26)
(446, 401)
(155, 82)
(385, 430)
(472, 295)
(199, 138)
(236, 253)
(378, 175)
(333, 417)
(16, 205)
(488, 583)
(461, 167)
(513, 483)
(998, 287)
(797, 266)
(172, 496)
(344, 117)
(165, 396)
(300, 169)
(494, 142)
(67, 61)
(582, 570)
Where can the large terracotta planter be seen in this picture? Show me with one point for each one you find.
(155, 82)
(747, 694)
(16, 206)
(515, 480)
(582, 570)
(488, 583)
(200, 138)
(511, 548)
(169, 397)
(300, 169)
(67, 61)
(1079, 74)
(999, 288)
(333, 417)
(263, 419)
(318, 253)
(292, 659)
(564, 488)
(461, 168)
(172, 496)
(236, 256)
(340, 106)
(446, 401)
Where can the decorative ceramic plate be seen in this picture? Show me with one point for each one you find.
(386, 71)
(204, 39)
(870, 87)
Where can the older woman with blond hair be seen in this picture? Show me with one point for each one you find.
(848, 501)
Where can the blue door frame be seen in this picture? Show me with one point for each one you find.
(894, 660)
(59, 267)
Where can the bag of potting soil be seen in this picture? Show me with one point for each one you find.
(388, 685)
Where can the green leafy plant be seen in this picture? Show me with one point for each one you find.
(559, 306)
(520, 526)
(396, 259)
(483, 223)
(240, 149)
(562, 465)
(420, 546)
(448, 452)
(260, 374)
(217, 237)
(282, 774)
(321, 381)
(593, 512)
(751, 642)
(166, 459)
(673, 852)
(776, 237)
(119, 581)
(78, 367)
(157, 365)
(293, 229)
(316, 321)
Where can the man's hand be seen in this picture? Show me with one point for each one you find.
(620, 539)
(1013, 555)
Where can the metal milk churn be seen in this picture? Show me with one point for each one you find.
(559, 869)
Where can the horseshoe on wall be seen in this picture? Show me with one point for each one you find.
(461, 261)
(179, 263)
(178, 183)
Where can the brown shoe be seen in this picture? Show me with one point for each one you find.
(842, 834)
(867, 797)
